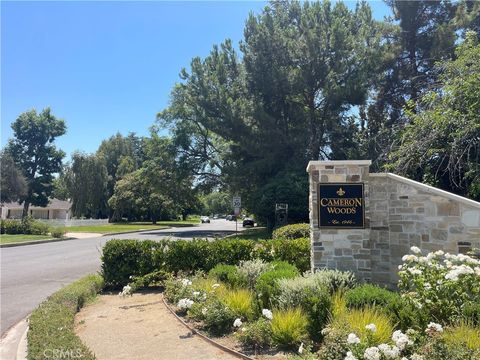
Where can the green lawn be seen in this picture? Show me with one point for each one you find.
(7, 238)
(124, 227)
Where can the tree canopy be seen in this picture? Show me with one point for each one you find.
(36, 155)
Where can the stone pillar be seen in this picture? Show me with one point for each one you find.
(342, 249)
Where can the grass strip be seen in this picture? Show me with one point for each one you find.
(51, 326)
(9, 238)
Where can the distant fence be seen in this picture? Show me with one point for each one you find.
(74, 222)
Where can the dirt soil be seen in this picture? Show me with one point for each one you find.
(140, 327)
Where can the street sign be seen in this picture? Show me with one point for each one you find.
(237, 202)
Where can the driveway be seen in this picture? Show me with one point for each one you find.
(31, 273)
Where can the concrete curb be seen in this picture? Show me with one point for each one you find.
(13, 345)
(206, 338)
(24, 243)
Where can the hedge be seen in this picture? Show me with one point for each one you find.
(293, 231)
(27, 226)
(51, 326)
(122, 259)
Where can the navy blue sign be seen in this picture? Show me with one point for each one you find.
(341, 205)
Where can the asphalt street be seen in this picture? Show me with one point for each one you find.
(29, 274)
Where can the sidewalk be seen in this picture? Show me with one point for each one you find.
(13, 346)
(140, 327)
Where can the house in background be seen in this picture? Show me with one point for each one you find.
(55, 210)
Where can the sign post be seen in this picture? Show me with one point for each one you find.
(237, 205)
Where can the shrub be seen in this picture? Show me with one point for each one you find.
(176, 289)
(311, 296)
(124, 258)
(441, 284)
(462, 335)
(256, 335)
(58, 232)
(406, 315)
(369, 295)
(35, 227)
(296, 252)
(156, 278)
(266, 286)
(51, 325)
(228, 274)
(187, 255)
(226, 251)
(240, 301)
(335, 280)
(251, 270)
(334, 345)
(355, 321)
(290, 232)
(289, 327)
(11, 226)
(471, 313)
(218, 317)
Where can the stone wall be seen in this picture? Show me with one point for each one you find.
(399, 213)
(339, 249)
(405, 213)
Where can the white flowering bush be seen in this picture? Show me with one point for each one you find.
(441, 284)
(126, 291)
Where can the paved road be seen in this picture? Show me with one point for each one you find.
(30, 273)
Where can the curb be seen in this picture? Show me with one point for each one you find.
(206, 338)
(134, 231)
(24, 243)
(14, 341)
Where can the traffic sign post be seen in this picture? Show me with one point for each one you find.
(237, 205)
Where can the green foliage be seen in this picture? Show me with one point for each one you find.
(155, 278)
(51, 325)
(227, 274)
(12, 182)
(441, 142)
(463, 335)
(267, 287)
(251, 270)
(256, 335)
(35, 154)
(296, 252)
(124, 258)
(27, 226)
(311, 296)
(240, 301)
(440, 284)
(58, 232)
(294, 231)
(86, 181)
(217, 203)
(218, 317)
(289, 327)
(369, 295)
(357, 319)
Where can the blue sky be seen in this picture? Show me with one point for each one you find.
(107, 66)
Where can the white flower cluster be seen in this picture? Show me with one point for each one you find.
(372, 353)
(185, 304)
(434, 328)
(353, 339)
(400, 339)
(126, 291)
(458, 270)
(214, 286)
(389, 351)
(267, 313)
(186, 282)
(237, 323)
(350, 356)
(371, 327)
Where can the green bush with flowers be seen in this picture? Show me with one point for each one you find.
(441, 284)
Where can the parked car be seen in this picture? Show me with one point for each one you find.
(248, 222)
(205, 219)
(231, 218)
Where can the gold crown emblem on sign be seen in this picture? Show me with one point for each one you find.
(340, 192)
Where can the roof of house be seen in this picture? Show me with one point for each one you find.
(53, 204)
